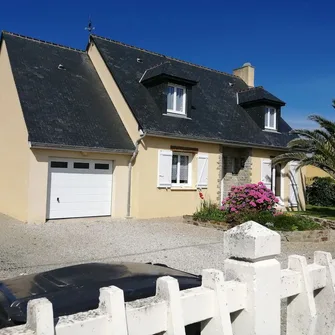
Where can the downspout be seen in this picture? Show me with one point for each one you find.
(130, 165)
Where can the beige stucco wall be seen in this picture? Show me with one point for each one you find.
(149, 201)
(311, 172)
(257, 156)
(114, 93)
(14, 149)
(38, 180)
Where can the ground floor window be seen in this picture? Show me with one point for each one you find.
(180, 174)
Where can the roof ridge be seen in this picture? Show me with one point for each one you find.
(168, 57)
(42, 41)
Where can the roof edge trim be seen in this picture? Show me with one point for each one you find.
(38, 145)
(216, 141)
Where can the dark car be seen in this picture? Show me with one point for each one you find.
(75, 288)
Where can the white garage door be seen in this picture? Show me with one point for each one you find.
(79, 188)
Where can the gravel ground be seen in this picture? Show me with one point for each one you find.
(27, 248)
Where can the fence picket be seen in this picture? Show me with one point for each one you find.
(168, 290)
(301, 310)
(220, 323)
(113, 306)
(325, 298)
(40, 317)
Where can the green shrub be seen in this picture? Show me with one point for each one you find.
(321, 192)
(283, 222)
(209, 211)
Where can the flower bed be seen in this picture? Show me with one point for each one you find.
(253, 202)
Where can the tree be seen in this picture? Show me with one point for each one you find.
(313, 147)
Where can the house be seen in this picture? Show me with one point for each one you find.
(121, 131)
(311, 172)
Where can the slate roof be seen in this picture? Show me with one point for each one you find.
(215, 114)
(170, 70)
(258, 94)
(66, 107)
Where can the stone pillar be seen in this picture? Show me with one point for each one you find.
(252, 248)
(242, 174)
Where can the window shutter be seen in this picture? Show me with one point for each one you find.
(164, 168)
(293, 184)
(202, 170)
(266, 173)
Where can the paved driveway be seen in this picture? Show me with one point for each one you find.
(30, 248)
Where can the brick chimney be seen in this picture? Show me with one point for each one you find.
(247, 73)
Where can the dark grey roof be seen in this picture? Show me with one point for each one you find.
(215, 114)
(258, 94)
(66, 107)
(170, 70)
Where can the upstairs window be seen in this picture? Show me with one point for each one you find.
(270, 118)
(176, 99)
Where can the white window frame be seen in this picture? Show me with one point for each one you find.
(178, 184)
(267, 118)
(174, 110)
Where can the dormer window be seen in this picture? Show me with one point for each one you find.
(270, 118)
(176, 99)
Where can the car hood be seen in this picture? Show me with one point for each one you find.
(75, 288)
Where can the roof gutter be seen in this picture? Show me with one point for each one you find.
(215, 141)
(38, 145)
(130, 166)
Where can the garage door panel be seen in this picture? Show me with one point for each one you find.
(79, 198)
(68, 191)
(77, 180)
(75, 210)
(79, 193)
(77, 206)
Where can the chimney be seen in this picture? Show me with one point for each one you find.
(247, 73)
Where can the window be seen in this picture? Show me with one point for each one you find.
(101, 166)
(79, 165)
(270, 118)
(59, 165)
(175, 169)
(180, 169)
(176, 99)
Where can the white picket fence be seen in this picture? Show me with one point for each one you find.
(244, 300)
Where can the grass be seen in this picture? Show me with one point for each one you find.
(319, 211)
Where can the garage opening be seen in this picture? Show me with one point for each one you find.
(79, 188)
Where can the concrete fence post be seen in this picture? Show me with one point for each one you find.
(113, 306)
(252, 248)
(220, 323)
(167, 288)
(40, 317)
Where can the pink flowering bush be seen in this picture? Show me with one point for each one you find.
(248, 197)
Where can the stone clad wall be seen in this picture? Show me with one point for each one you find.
(243, 175)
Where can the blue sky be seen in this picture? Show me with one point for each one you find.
(290, 43)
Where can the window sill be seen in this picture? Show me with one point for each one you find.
(181, 188)
(181, 116)
(272, 130)
(178, 188)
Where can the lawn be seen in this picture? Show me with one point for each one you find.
(319, 211)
